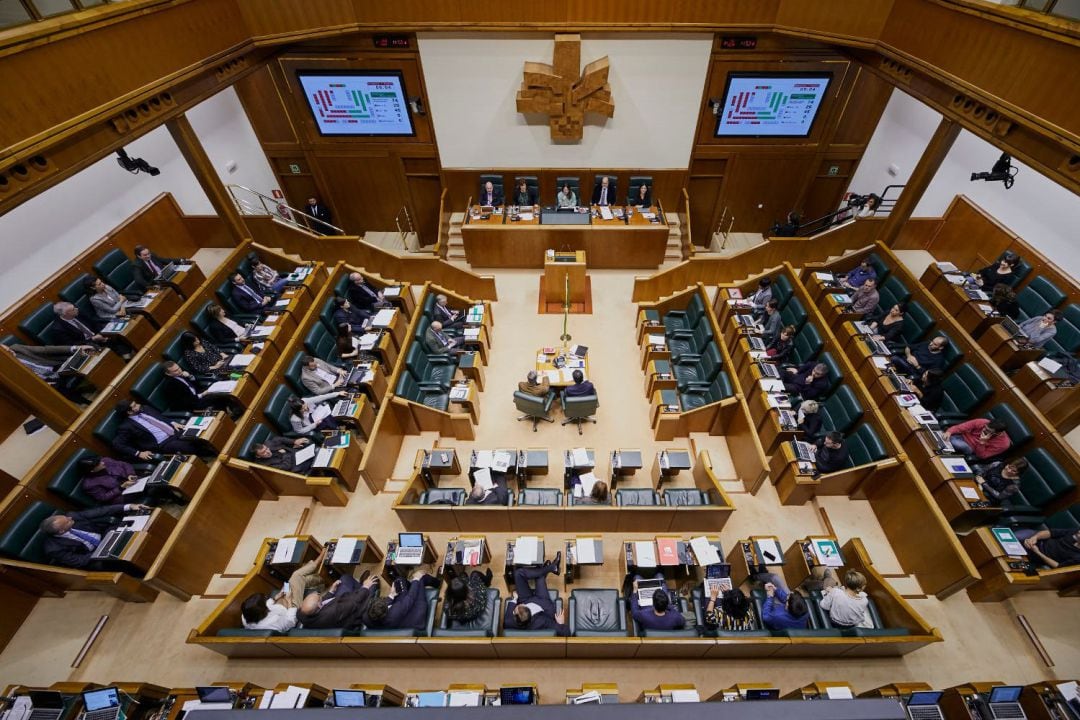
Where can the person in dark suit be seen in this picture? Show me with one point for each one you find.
(490, 196)
(222, 329)
(144, 433)
(642, 198)
(70, 329)
(497, 495)
(444, 314)
(438, 342)
(342, 606)
(524, 195)
(345, 314)
(184, 393)
(406, 606)
(70, 538)
(246, 297)
(604, 192)
(809, 420)
(580, 387)
(280, 453)
(810, 380)
(832, 453)
(322, 222)
(531, 608)
(45, 361)
(363, 298)
(148, 266)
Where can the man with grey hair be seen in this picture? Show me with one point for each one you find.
(71, 538)
(70, 329)
(533, 385)
(443, 313)
(810, 380)
(364, 298)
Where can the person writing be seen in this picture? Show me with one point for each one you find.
(566, 198)
(533, 385)
(580, 387)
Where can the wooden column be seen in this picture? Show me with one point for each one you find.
(924, 172)
(196, 157)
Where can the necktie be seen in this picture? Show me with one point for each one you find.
(82, 328)
(442, 338)
(153, 267)
(251, 292)
(603, 196)
(159, 424)
(89, 539)
(189, 386)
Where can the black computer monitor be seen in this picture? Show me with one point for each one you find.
(214, 694)
(410, 539)
(1005, 693)
(350, 698)
(516, 696)
(763, 694)
(925, 698)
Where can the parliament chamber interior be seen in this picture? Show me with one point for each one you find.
(463, 354)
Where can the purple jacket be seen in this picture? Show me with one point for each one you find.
(104, 485)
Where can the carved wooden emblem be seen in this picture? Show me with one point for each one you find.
(564, 95)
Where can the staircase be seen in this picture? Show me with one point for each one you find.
(455, 248)
(735, 243)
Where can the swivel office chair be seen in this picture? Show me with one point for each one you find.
(535, 408)
(579, 409)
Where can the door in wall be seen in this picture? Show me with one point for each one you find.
(761, 189)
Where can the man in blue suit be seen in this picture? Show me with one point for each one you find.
(405, 607)
(532, 608)
(247, 298)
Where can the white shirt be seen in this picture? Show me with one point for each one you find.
(279, 618)
(237, 329)
(845, 609)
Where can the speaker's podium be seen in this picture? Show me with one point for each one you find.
(564, 280)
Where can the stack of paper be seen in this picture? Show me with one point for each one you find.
(391, 291)
(838, 693)
(344, 550)
(685, 696)
(588, 551)
(242, 360)
(704, 551)
(285, 549)
(304, 454)
(368, 340)
(1050, 366)
(483, 459)
(323, 457)
(222, 386)
(459, 393)
(969, 493)
(657, 340)
(138, 487)
(580, 457)
(645, 553)
(383, 318)
(501, 461)
(526, 550)
(463, 698)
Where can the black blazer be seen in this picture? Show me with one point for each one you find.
(132, 438)
(636, 199)
(244, 301)
(72, 553)
(499, 495)
(543, 621)
(180, 398)
(811, 427)
(612, 194)
(220, 333)
(346, 611)
(407, 610)
(530, 196)
(64, 333)
(362, 297)
(829, 459)
(144, 276)
(496, 197)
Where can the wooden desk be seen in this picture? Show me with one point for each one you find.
(189, 476)
(549, 364)
(395, 326)
(645, 326)
(163, 304)
(664, 416)
(746, 555)
(470, 368)
(475, 340)
(1001, 574)
(452, 546)
(391, 568)
(563, 271)
(624, 463)
(533, 461)
(385, 350)
(651, 350)
(573, 566)
(959, 510)
(400, 296)
(137, 331)
(470, 403)
(678, 459)
(818, 690)
(441, 461)
(523, 244)
(374, 385)
(1053, 394)
(1004, 350)
(143, 548)
(187, 282)
(365, 552)
(361, 415)
(801, 561)
(727, 303)
(101, 368)
(658, 376)
(219, 431)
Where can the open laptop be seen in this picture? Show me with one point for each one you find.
(901, 383)
(343, 407)
(788, 419)
(648, 588)
(1004, 702)
(165, 470)
(943, 445)
(516, 696)
(216, 695)
(46, 705)
(769, 370)
(924, 706)
(111, 546)
(74, 363)
(350, 698)
(167, 272)
(804, 451)
(1009, 325)
(877, 346)
(717, 576)
(101, 704)
(756, 343)
(410, 548)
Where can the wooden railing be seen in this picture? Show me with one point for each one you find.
(734, 268)
(443, 240)
(684, 227)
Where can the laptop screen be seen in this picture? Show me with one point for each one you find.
(350, 698)
(46, 700)
(924, 698)
(411, 539)
(1005, 693)
(650, 586)
(214, 694)
(764, 694)
(101, 699)
(516, 696)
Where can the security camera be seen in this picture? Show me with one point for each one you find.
(1003, 172)
(134, 165)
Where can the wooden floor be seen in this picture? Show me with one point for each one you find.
(146, 642)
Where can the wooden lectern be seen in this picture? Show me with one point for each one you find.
(558, 266)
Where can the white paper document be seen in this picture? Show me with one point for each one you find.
(605, 213)
(685, 696)
(391, 291)
(587, 482)
(501, 461)
(1050, 366)
(526, 550)
(261, 331)
(282, 303)
(770, 551)
(222, 386)
(199, 705)
(344, 550)
(969, 493)
(304, 454)
(482, 477)
(461, 698)
(704, 551)
(138, 487)
(459, 393)
(136, 522)
(320, 411)
(323, 457)
(383, 318)
(368, 340)
(284, 551)
(292, 697)
(242, 360)
(657, 340)
(586, 551)
(580, 457)
(483, 459)
(838, 693)
(198, 422)
(772, 385)
(645, 553)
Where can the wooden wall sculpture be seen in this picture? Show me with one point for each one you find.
(558, 91)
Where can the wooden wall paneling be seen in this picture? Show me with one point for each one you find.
(761, 188)
(260, 94)
(968, 235)
(365, 188)
(424, 191)
(863, 108)
(917, 233)
(17, 606)
(29, 392)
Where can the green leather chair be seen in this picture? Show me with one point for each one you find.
(1042, 483)
(277, 414)
(293, 372)
(815, 627)
(23, 539)
(515, 632)
(105, 430)
(952, 352)
(326, 316)
(148, 389)
(74, 290)
(443, 496)
(635, 182)
(579, 409)
(485, 625)
(864, 446)
(531, 182)
(534, 407)
(496, 181)
(892, 291)
(965, 389)
(685, 319)
(693, 341)
(879, 267)
(575, 185)
(878, 629)
(1021, 270)
(1039, 297)
(224, 296)
(841, 410)
(597, 612)
(430, 394)
(1067, 339)
(437, 368)
(807, 345)
(701, 368)
(432, 595)
(793, 313)
(118, 270)
(1017, 429)
(835, 376)
(38, 325)
(917, 323)
(244, 632)
(689, 630)
(546, 497)
(782, 289)
(1067, 519)
(699, 394)
(700, 603)
(685, 497)
(200, 322)
(636, 497)
(67, 482)
(321, 344)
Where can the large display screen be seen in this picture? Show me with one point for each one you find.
(771, 104)
(357, 102)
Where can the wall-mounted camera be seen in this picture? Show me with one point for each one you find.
(1003, 172)
(134, 165)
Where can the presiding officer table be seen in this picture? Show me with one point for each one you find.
(498, 241)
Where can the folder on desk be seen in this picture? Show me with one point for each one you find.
(668, 549)
(588, 551)
(580, 457)
(704, 551)
(645, 553)
(827, 552)
(526, 550)
(368, 340)
(969, 493)
(1008, 541)
(304, 454)
(285, 550)
(241, 360)
(768, 551)
(347, 551)
(384, 317)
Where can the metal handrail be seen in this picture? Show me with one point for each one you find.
(280, 211)
(824, 222)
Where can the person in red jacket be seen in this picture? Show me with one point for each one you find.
(980, 437)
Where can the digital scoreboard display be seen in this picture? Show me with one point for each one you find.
(371, 103)
(771, 104)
